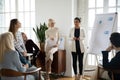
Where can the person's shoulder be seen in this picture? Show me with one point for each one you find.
(82, 29)
(118, 53)
(56, 29)
(12, 53)
(105, 52)
(30, 40)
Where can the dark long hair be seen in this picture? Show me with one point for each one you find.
(12, 27)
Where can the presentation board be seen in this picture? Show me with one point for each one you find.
(104, 25)
(61, 43)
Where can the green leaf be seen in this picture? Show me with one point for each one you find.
(40, 32)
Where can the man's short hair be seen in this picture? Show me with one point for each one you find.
(115, 39)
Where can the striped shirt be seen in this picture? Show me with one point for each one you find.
(19, 44)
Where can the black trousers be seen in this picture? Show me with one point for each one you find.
(77, 56)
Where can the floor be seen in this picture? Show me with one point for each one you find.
(90, 74)
(84, 78)
(71, 78)
(59, 77)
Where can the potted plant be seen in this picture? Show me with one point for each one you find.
(40, 33)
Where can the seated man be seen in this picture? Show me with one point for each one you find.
(115, 61)
(31, 47)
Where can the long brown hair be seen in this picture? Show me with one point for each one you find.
(12, 27)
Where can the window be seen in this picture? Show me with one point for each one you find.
(98, 7)
(94, 7)
(23, 10)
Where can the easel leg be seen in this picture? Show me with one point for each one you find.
(85, 62)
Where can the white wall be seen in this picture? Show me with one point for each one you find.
(62, 11)
(82, 12)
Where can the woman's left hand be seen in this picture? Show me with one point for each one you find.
(55, 45)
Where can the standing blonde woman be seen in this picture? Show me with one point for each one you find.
(51, 44)
(77, 37)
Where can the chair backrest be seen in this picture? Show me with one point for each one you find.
(114, 72)
(10, 73)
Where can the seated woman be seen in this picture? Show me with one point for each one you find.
(31, 47)
(115, 61)
(9, 58)
(14, 27)
(51, 45)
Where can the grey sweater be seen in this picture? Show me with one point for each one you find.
(11, 61)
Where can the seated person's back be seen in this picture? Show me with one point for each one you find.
(114, 64)
(9, 58)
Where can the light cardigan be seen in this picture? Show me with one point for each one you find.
(82, 37)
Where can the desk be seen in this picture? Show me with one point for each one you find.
(58, 64)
